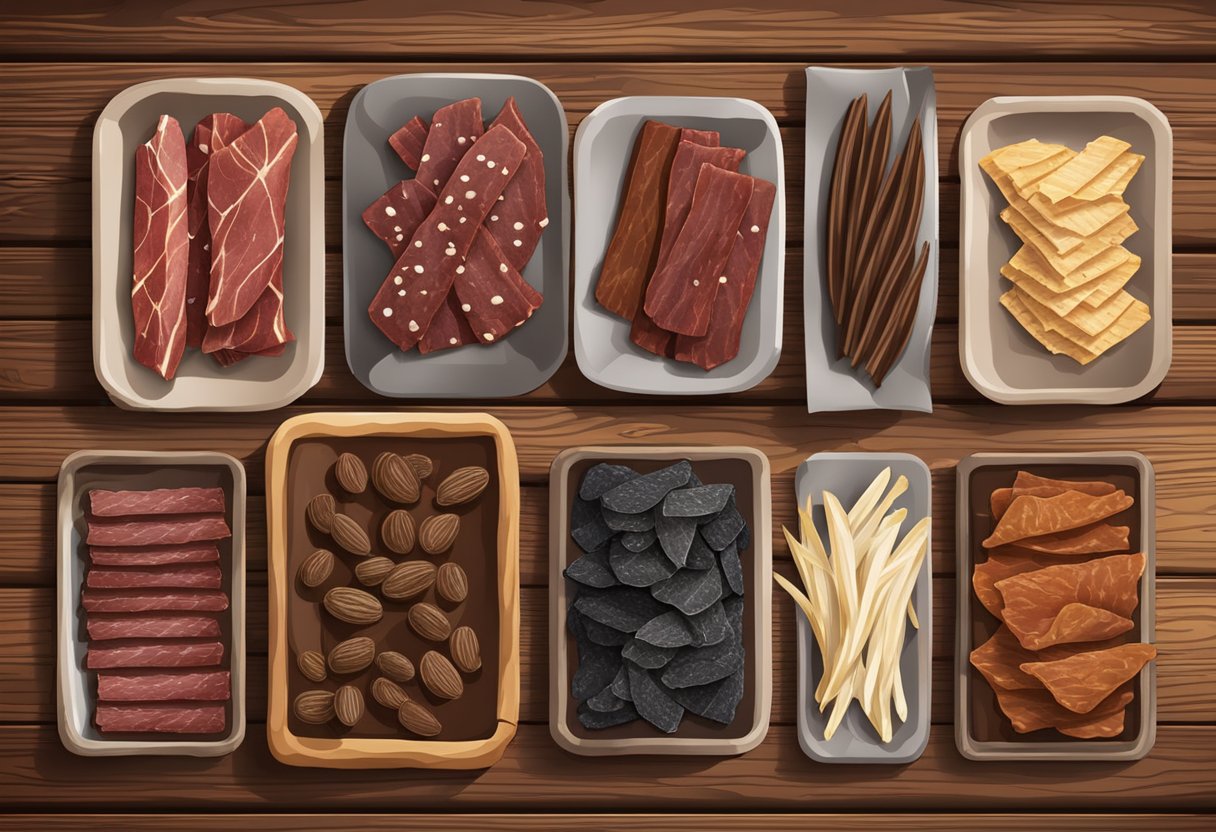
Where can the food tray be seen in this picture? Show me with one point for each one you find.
(201, 384)
(748, 470)
(602, 149)
(831, 383)
(76, 692)
(999, 358)
(366, 753)
(527, 357)
(846, 475)
(977, 722)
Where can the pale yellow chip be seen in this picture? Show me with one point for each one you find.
(1027, 179)
(1112, 234)
(1080, 216)
(1028, 260)
(1054, 342)
(1062, 240)
(1134, 316)
(1114, 180)
(1011, 157)
(1095, 321)
(1059, 302)
(1108, 284)
(1082, 169)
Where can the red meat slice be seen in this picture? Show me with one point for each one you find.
(207, 686)
(449, 328)
(102, 628)
(178, 576)
(156, 532)
(681, 293)
(493, 296)
(709, 138)
(721, 341)
(157, 501)
(156, 654)
(521, 215)
(226, 358)
(164, 719)
(454, 130)
(427, 271)
(158, 289)
(153, 555)
(247, 185)
(153, 601)
(409, 142)
(260, 331)
(396, 215)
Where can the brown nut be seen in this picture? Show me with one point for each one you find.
(438, 532)
(317, 568)
(352, 655)
(320, 512)
(418, 720)
(429, 622)
(354, 606)
(394, 479)
(373, 571)
(395, 666)
(452, 583)
(408, 579)
(348, 705)
(312, 665)
(421, 465)
(315, 707)
(466, 651)
(462, 485)
(388, 693)
(351, 474)
(350, 535)
(397, 531)
(440, 676)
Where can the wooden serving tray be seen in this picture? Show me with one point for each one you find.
(354, 753)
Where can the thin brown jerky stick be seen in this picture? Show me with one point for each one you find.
(847, 153)
(903, 320)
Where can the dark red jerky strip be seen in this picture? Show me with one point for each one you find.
(153, 555)
(177, 576)
(137, 600)
(721, 342)
(520, 217)
(396, 215)
(260, 331)
(207, 686)
(650, 337)
(158, 531)
(157, 653)
(681, 294)
(427, 268)
(189, 500)
(708, 138)
(166, 718)
(493, 296)
(226, 358)
(409, 141)
(449, 328)
(454, 129)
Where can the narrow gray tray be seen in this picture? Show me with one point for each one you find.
(1029, 747)
(846, 475)
(526, 358)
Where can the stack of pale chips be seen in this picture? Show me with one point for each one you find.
(1069, 274)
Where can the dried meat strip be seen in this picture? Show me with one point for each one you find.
(521, 215)
(493, 296)
(177, 576)
(154, 601)
(709, 138)
(104, 503)
(169, 718)
(1080, 682)
(1036, 516)
(1034, 710)
(102, 628)
(1000, 564)
(160, 531)
(161, 258)
(1001, 657)
(260, 331)
(1028, 483)
(205, 686)
(156, 654)
(1090, 540)
(449, 328)
(205, 552)
(409, 141)
(396, 215)
(454, 130)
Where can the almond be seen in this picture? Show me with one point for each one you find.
(421, 465)
(352, 655)
(373, 571)
(354, 606)
(439, 676)
(451, 583)
(320, 512)
(397, 531)
(348, 705)
(438, 532)
(395, 666)
(312, 665)
(388, 693)
(418, 720)
(429, 622)
(394, 479)
(351, 473)
(466, 651)
(315, 706)
(408, 579)
(462, 485)
(350, 535)
(317, 568)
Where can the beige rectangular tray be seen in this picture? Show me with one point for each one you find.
(295, 750)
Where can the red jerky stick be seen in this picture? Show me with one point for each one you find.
(681, 294)
(104, 503)
(163, 718)
(708, 138)
(158, 531)
(449, 328)
(409, 141)
(493, 296)
(396, 215)
(453, 131)
(521, 215)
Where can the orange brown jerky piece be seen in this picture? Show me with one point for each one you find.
(1034, 710)
(1028, 483)
(1080, 682)
(999, 502)
(1000, 565)
(1001, 657)
(1091, 540)
(1036, 516)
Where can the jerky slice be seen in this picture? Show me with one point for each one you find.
(697, 502)
(647, 491)
(671, 629)
(675, 536)
(454, 129)
(604, 477)
(647, 655)
(641, 569)
(652, 702)
(592, 570)
(690, 591)
(521, 215)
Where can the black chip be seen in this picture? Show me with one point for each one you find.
(717, 700)
(734, 614)
(617, 521)
(604, 477)
(602, 633)
(667, 630)
(637, 541)
(592, 570)
(700, 556)
(697, 502)
(744, 539)
(694, 666)
(707, 627)
(583, 512)
(623, 608)
(593, 534)
(732, 567)
(647, 655)
(689, 590)
(724, 528)
(606, 701)
(675, 536)
(644, 568)
(620, 685)
(647, 491)
(596, 720)
(597, 665)
(652, 702)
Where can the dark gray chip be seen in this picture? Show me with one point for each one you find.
(623, 608)
(618, 521)
(602, 633)
(583, 512)
(675, 536)
(724, 528)
(647, 491)
(717, 700)
(693, 480)
(647, 655)
(670, 629)
(595, 720)
(606, 701)
(732, 567)
(575, 623)
(697, 502)
(593, 534)
(592, 570)
(694, 666)
(637, 541)
(700, 556)
(690, 590)
(653, 703)
(620, 685)
(708, 626)
(734, 613)
(745, 537)
(604, 477)
(597, 665)
(644, 568)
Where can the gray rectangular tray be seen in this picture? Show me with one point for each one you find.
(831, 384)
(999, 358)
(846, 475)
(259, 383)
(527, 357)
(1144, 707)
(76, 697)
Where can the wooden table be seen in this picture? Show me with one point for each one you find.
(67, 59)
